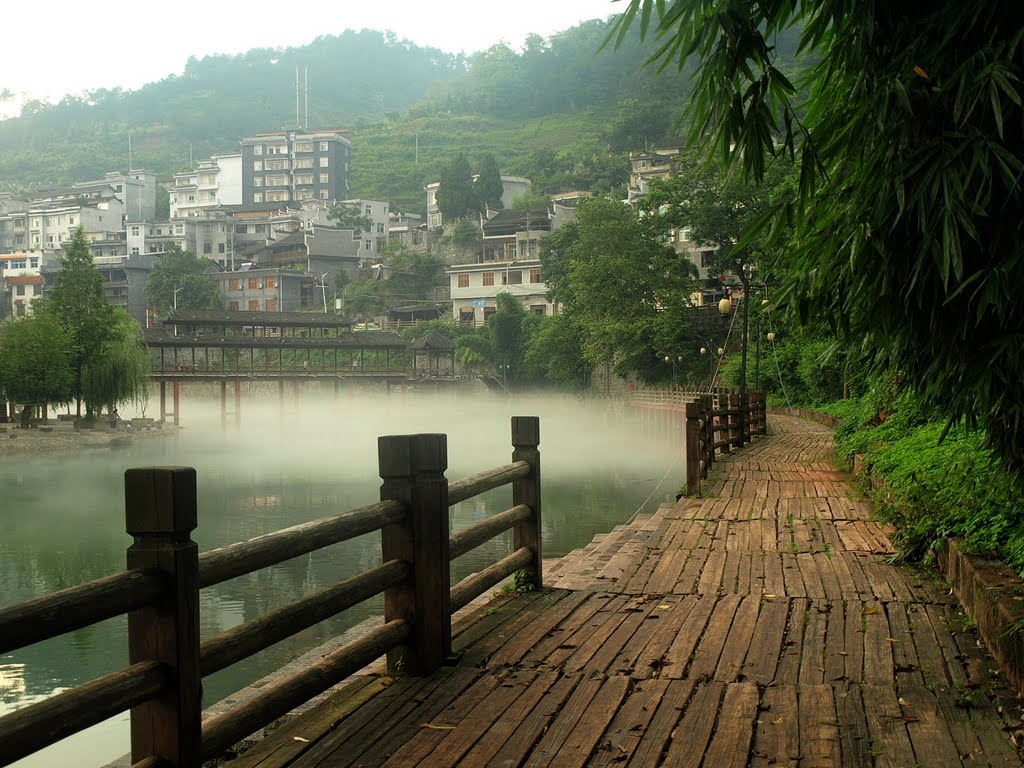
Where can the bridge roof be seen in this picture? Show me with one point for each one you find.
(359, 340)
(261, 319)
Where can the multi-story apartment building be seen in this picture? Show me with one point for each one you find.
(373, 242)
(268, 290)
(648, 165)
(509, 262)
(21, 281)
(207, 233)
(512, 187)
(135, 189)
(296, 164)
(214, 182)
(124, 281)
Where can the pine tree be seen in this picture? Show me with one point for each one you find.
(77, 303)
(488, 186)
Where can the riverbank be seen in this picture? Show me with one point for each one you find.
(62, 437)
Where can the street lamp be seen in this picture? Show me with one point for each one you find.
(715, 356)
(673, 361)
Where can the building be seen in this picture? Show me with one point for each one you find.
(509, 262)
(512, 187)
(268, 290)
(407, 229)
(208, 233)
(649, 165)
(124, 281)
(214, 182)
(296, 164)
(21, 281)
(135, 189)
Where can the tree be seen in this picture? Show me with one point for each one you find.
(78, 305)
(347, 215)
(555, 353)
(529, 200)
(186, 273)
(35, 363)
(909, 234)
(621, 285)
(488, 187)
(119, 373)
(455, 195)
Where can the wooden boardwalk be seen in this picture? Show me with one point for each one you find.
(760, 626)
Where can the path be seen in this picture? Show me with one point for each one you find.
(760, 626)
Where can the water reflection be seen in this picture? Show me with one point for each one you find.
(64, 517)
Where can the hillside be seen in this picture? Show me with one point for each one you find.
(551, 111)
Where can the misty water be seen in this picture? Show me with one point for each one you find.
(62, 518)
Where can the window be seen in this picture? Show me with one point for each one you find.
(304, 146)
(71, 220)
(325, 162)
(277, 181)
(488, 311)
(234, 284)
(270, 282)
(488, 278)
(17, 264)
(33, 261)
(277, 165)
(135, 251)
(513, 277)
(179, 229)
(261, 227)
(368, 244)
(684, 234)
(304, 162)
(706, 257)
(463, 281)
(254, 283)
(207, 248)
(369, 210)
(220, 247)
(303, 178)
(257, 197)
(380, 229)
(271, 305)
(534, 275)
(240, 229)
(135, 231)
(257, 165)
(323, 146)
(538, 309)
(254, 305)
(20, 291)
(257, 149)
(324, 194)
(277, 197)
(325, 178)
(232, 306)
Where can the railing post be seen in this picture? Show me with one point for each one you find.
(412, 470)
(707, 405)
(525, 442)
(693, 434)
(160, 513)
(735, 422)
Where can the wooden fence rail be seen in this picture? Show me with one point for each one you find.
(160, 594)
(713, 423)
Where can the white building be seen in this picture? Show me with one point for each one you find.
(22, 281)
(135, 189)
(214, 182)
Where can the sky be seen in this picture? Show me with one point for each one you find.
(90, 46)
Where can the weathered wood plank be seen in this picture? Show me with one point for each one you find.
(819, 728)
(777, 736)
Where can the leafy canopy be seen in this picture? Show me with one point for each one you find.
(184, 272)
(35, 362)
(908, 209)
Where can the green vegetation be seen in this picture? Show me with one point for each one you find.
(35, 363)
(906, 216)
(179, 279)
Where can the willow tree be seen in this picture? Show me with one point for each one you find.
(119, 372)
(908, 130)
(35, 363)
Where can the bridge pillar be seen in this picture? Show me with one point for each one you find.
(177, 401)
(163, 400)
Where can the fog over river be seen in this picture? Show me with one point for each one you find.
(62, 517)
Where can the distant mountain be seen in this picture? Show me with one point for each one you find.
(555, 111)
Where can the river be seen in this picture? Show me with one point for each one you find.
(62, 517)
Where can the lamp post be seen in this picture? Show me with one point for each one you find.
(673, 361)
(706, 349)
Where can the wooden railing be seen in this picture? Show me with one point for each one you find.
(713, 425)
(160, 593)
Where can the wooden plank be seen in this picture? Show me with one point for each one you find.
(730, 746)
(635, 619)
(630, 725)
(601, 624)
(676, 699)
(776, 738)
(689, 578)
(809, 573)
(677, 658)
(711, 575)
(887, 732)
(709, 649)
(738, 639)
(538, 622)
(766, 642)
(856, 624)
(788, 670)
(689, 742)
(816, 621)
(855, 741)
(904, 654)
(791, 575)
(645, 655)
(929, 656)
(835, 643)
(819, 728)
(518, 745)
(878, 659)
(926, 726)
(578, 729)
(514, 716)
(950, 653)
(562, 632)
